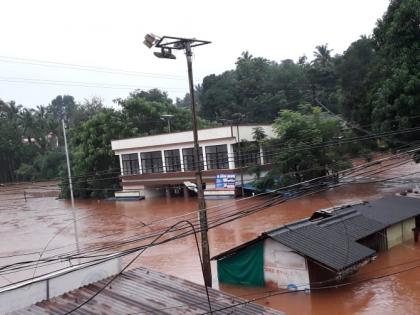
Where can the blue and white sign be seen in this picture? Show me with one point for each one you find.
(225, 181)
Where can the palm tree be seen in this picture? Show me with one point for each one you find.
(322, 54)
(28, 124)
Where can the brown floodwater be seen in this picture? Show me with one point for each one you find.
(41, 222)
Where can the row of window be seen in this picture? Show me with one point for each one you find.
(151, 162)
(216, 158)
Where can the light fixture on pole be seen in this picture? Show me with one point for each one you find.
(167, 44)
(168, 117)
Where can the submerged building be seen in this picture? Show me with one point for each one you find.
(151, 164)
(323, 249)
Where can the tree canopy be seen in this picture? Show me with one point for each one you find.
(374, 85)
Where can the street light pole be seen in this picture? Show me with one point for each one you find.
(200, 194)
(167, 44)
(168, 117)
(73, 211)
(240, 160)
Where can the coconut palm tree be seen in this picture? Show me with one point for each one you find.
(322, 54)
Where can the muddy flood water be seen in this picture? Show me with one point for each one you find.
(44, 223)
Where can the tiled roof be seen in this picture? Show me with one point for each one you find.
(391, 210)
(353, 224)
(335, 250)
(142, 291)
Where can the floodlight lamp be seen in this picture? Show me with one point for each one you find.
(165, 53)
(149, 40)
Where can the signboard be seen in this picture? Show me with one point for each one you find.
(225, 181)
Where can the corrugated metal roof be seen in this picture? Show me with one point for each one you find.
(142, 291)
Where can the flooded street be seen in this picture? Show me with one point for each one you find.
(44, 223)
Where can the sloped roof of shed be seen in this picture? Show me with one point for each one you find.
(333, 249)
(143, 291)
(332, 239)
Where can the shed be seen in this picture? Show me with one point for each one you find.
(322, 249)
(143, 291)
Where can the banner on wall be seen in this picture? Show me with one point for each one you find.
(225, 181)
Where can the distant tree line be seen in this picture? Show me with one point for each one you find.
(374, 84)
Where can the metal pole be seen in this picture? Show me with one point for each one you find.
(71, 188)
(200, 194)
(169, 125)
(240, 161)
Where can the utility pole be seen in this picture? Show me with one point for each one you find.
(73, 211)
(166, 44)
(200, 194)
(240, 160)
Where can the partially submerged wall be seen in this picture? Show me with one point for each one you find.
(284, 268)
(23, 294)
(400, 232)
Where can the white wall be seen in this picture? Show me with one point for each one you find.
(283, 267)
(169, 141)
(246, 132)
(171, 138)
(400, 232)
(18, 296)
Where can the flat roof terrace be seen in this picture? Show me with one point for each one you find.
(186, 137)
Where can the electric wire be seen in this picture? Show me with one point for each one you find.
(234, 203)
(264, 205)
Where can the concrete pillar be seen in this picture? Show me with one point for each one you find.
(204, 157)
(182, 160)
(261, 155)
(231, 157)
(163, 161)
(140, 167)
(121, 165)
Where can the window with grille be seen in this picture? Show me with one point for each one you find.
(188, 158)
(250, 154)
(217, 157)
(172, 161)
(130, 163)
(151, 162)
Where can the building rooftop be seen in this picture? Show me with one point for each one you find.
(143, 291)
(186, 137)
(330, 237)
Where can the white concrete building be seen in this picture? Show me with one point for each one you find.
(151, 163)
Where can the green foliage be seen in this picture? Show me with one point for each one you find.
(258, 134)
(44, 167)
(27, 172)
(29, 138)
(374, 84)
(395, 99)
(358, 71)
(144, 109)
(257, 88)
(299, 158)
(92, 155)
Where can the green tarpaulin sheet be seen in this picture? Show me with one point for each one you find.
(245, 267)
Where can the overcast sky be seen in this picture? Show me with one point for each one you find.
(109, 34)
